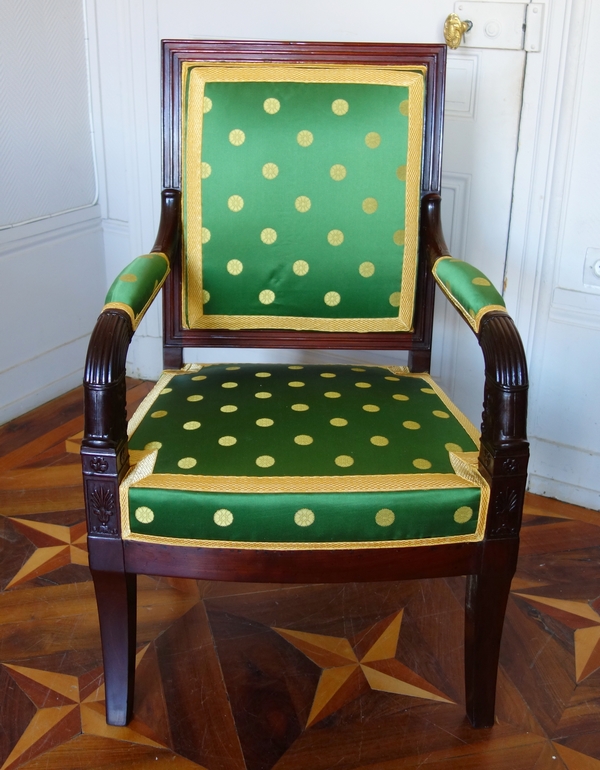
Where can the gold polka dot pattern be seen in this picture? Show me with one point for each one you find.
(399, 237)
(234, 267)
(206, 170)
(262, 374)
(404, 107)
(263, 394)
(271, 106)
(302, 204)
(264, 422)
(395, 299)
(265, 461)
(229, 408)
(479, 281)
(303, 440)
(385, 517)
(373, 140)
(431, 391)
(300, 407)
(344, 461)
(205, 235)
(166, 390)
(332, 298)
(305, 138)
(400, 397)
(235, 203)
(337, 172)
(366, 269)
(191, 425)
(340, 107)
(369, 205)
(300, 267)
(144, 514)
(205, 297)
(268, 236)
(379, 440)
(266, 297)
(304, 517)
(453, 447)
(335, 237)
(441, 414)
(362, 384)
(411, 425)
(463, 514)
(332, 394)
(223, 517)
(227, 440)
(229, 385)
(327, 375)
(338, 422)
(153, 445)
(237, 137)
(128, 278)
(159, 413)
(422, 464)
(207, 104)
(187, 462)
(401, 173)
(296, 384)
(392, 379)
(295, 366)
(371, 408)
(270, 170)
(199, 377)
(195, 397)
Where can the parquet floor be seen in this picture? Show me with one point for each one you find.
(235, 676)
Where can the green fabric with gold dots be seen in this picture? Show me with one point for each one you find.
(138, 282)
(268, 420)
(303, 199)
(467, 285)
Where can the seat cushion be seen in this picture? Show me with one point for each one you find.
(283, 456)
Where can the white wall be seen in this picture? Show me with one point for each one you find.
(51, 250)
(564, 300)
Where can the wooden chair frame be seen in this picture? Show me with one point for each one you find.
(489, 564)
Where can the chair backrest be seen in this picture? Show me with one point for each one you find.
(302, 169)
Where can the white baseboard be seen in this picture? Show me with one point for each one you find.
(565, 472)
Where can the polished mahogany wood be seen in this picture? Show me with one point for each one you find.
(503, 453)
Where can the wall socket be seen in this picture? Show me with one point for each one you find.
(591, 269)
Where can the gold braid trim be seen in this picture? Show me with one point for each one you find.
(393, 482)
(473, 321)
(466, 465)
(197, 74)
(356, 545)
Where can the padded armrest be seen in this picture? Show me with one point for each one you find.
(468, 289)
(136, 286)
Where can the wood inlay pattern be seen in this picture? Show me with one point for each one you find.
(233, 676)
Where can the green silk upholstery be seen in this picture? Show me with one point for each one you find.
(301, 202)
(468, 289)
(136, 285)
(300, 457)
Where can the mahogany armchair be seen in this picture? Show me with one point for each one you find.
(301, 208)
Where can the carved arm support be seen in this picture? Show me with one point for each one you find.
(104, 450)
(504, 451)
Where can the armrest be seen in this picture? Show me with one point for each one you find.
(136, 286)
(468, 289)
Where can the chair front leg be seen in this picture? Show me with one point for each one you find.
(116, 599)
(485, 607)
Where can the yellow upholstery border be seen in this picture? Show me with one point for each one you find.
(465, 465)
(473, 321)
(200, 73)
